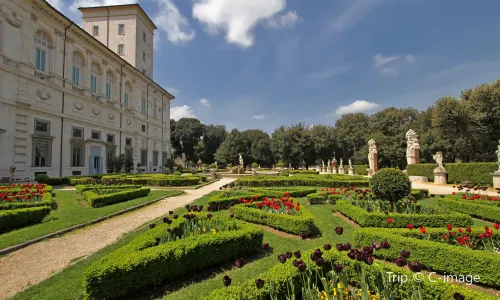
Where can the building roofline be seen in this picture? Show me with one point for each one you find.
(124, 62)
(82, 8)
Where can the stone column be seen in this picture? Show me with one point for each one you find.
(440, 176)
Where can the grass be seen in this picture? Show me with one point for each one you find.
(71, 210)
(68, 283)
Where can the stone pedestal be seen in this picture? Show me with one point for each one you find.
(335, 171)
(420, 179)
(370, 172)
(351, 171)
(341, 171)
(329, 170)
(496, 180)
(440, 175)
(254, 171)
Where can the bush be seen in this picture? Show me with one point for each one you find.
(294, 224)
(419, 193)
(281, 275)
(280, 164)
(255, 165)
(390, 184)
(360, 169)
(40, 178)
(304, 180)
(96, 200)
(309, 172)
(322, 198)
(212, 166)
(143, 262)
(474, 209)
(16, 218)
(46, 201)
(93, 187)
(479, 173)
(177, 173)
(440, 257)
(153, 179)
(374, 219)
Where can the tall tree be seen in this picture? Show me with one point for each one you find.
(213, 137)
(231, 147)
(188, 132)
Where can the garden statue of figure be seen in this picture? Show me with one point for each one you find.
(372, 155)
(438, 158)
(241, 161)
(215, 164)
(350, 164)
(413, 148)
(341, 164)
(498, 157)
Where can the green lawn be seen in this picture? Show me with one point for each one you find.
(71, 210)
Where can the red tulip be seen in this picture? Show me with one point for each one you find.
(444, 236)
(461, 241)
(463, 197)
(423, 230)
(410, 226)
(449, 227)
(389, 220)
(481, 236)
(460, 230)
(468, 229)
(496, 226)
(471, 197)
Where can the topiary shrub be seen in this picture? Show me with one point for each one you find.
(177, 173)
(280, 164)
(255, 165)
(41, 178)
(390, 184)
(212, 166)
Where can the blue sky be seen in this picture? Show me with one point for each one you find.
(265, 63)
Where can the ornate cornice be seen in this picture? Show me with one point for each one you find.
(11, 18)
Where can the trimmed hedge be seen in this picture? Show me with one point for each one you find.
(16, 218)
(479, 173)
(304, 180)
(294, 224)
(288, 172)
(361, 169)
(374, 219)
(442, 258)
(155, 180)
(390, 184)
(46, 201)
(219, 201)
(474, 209)
(96, 200)
(281, 275)
(322, 198)
(83, 188)
(419, 193)
(142, 262)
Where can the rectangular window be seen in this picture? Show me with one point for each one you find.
(144, 157)
(95, 135)
(42, 126)
(143, 56)
(125, 99)
(143, 128)
(77, 132)
(110, 138)
(128, 153)
(155, 158)
(77, 154)
(121, 29)
(40, 56)
(108, 90)
(121, 49)
(93, 84)
(143, 106)
(143, 36)
(110, 154)
(155, 108)
(95, 30)
(41, 152)
(128, 142)
(76, 76)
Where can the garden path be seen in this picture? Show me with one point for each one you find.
(31, 265)
(442, 189)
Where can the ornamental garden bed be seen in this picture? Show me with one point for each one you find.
(330, 274)
(303, 180)
(379, 218)
(143, 179)
(24, 204)
(101, 197)
(283, 214)
(92, 187)
(472, 208)
(463, 251)
(180, 246)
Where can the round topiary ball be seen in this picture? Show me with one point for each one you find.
(390, 184)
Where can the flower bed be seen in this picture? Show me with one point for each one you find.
(439, 256)
(331, 195)
(473, 208)
(398, 220)
(282, 214)
(98, 198)
(279, 279)
(92, 187)
(144, 261)
(304, 180)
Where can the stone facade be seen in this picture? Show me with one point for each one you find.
(68, 103)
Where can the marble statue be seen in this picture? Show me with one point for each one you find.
(341, 163)
(372, 155)
(241, 161)
(350, 164)
(413, 148)
(438, 158)
(498, 157)
(216, 164)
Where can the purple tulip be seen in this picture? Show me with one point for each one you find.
(327, 247)
(227, 280)
(369, 260)
(259, 283)
(320, 261)
(405, 253)
(288, 254)
(297, 254)
(347, 246)
(338, 268)
(152, 225)
(339, 230)
(415, 266)
(340, 247)
(282, 258)
(400, 262)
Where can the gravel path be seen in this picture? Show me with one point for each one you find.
(31, 265)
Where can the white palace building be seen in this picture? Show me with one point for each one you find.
(72, 97)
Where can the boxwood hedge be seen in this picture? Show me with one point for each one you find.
(472, 208)
(479, 173)
(440, 257)
(294, 224)
(98, 200)
(281, 275)
(16, 218)
(374, 219)
(93, 187)
(304, 180)
(143, 262)
(46, 201)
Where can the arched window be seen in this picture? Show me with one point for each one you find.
(43, 45)
(109, 84)
(78, 67)
(95, 77)
(128, 92)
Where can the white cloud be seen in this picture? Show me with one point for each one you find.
(173, 23)
(380, 60)
(172, 90)
(391, 65)
(178, 112)
(352, 15)
(86, 3)
(283, 21)
(258, 117)
(356, 107)
(205, 102)
(325, 74)
(57, 4)
(410, 58)
(236, 18)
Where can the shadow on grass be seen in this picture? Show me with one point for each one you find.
(170, 286)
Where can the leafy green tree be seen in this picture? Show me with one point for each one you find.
(231, 147)
(187, 133)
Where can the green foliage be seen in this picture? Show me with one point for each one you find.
(288, 172)
(418, 194)
(321, 198)
(46, 201)
(360, 169)
(379, 219)
(440, 257)
(294, 224)
(280, 164)
(479, 173)
(40, 178)
(98, 200)
(150, 179)
(281, 275)
(212, 166)
(93, 187)
(426, 170)
(187, 131)
(143, 262)
(390, 184)
(303, 180)
(473, 208)
(255, 165)
(16, 218)
(177, 173)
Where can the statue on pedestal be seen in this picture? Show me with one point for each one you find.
(350, 164)
(438, 158)
(372, 155)
(498, 157)
(413, 148)
(241, 161)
